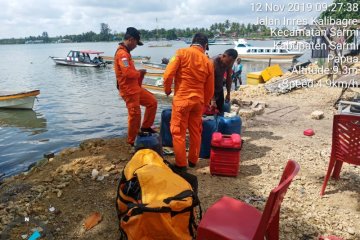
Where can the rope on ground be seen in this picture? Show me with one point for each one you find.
(296, 108)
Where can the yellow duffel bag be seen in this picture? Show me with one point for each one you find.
(153, 202)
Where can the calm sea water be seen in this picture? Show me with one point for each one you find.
(75, 103)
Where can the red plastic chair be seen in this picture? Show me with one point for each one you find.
(330, 238)
(232, 219)
(345, 145)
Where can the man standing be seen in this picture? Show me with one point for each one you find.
(194, 87)
(237, 70)
(223, 64)
(129, 84)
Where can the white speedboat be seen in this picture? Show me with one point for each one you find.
(81, 59)
(276, 54)
(20, 100)
(292, 45)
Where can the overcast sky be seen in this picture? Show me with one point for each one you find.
(22, 18)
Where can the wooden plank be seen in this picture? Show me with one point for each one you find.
(287, 84)
(346, 81)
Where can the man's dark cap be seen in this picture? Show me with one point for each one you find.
(135, 34)
(201, 39)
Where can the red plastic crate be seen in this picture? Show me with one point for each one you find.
(225, 154)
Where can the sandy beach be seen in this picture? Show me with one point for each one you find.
(58, 194)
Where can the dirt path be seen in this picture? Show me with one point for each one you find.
(271, 139)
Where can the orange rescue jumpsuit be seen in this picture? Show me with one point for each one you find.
(194, 86)
(129, 85)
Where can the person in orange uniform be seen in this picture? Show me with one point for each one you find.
(129, 84)
(194, 87)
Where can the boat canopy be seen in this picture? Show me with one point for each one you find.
(90, 52)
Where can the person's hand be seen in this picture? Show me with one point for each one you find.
(142, 72)
(213, 103)
(227, 98)
(168, 92)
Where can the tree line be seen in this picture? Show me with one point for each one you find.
(225, 29)
(343, 9)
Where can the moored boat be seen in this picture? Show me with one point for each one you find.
(154, 66)
(215, 41)
(210, 41)
(20, 100)
(81, 59)
(154, 74)
(220, 41)
(276, 54)
(140, 58)
(291, 45)
(110, 59)
(157, 90)
(160, 44)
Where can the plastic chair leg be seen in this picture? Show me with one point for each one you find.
(337, 170)
(330, 168)
(273, 230)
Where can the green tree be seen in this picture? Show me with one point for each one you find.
(248, 28)
(171, 34)
(222, 28)
(242, 29)
(105, 32)
(343, 9)
(235, 28)
(45, 37)
(230, 29)
(227, 24)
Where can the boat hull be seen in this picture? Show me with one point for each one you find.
(154, 74)
(137, 59)
(22, 100)
(64, 62)
(23, 103)
(153, 66)
(156, 90)
(266, 57)
(276, 54)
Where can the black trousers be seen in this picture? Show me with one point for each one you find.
(219, 98)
